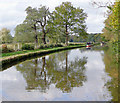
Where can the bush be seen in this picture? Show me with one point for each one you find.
(5, 49)
(46, 46)
(41, 46)
(51, 45)
(59, 45)
(4, 46)
(27, 47)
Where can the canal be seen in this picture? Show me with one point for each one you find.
(72, 75)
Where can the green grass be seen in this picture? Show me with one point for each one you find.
(28, 51)
(22, 52)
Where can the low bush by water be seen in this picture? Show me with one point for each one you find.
(27, 47)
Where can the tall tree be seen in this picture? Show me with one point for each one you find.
(38, 19)
(112, 23)
(111, 30)
(43, 19)
(5, 36)
(31, 20)
(70, 18)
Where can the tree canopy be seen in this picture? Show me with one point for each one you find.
(24, 31)
(111, 30)
(5, 36)
(40, 24)
(71, 19)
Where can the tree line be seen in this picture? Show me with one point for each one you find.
(42, 26)
(111, 32)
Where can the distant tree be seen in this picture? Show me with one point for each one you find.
(5, 36)
(70, 18)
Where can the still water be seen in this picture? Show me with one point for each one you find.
(73, 75)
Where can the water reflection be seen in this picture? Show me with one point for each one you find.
(111, 67)
(74, 75)
(55, 69)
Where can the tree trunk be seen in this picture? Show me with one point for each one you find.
(44, 35)
(66, 35)
(36, 37)
(43, 38)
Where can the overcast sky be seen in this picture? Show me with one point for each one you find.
(12, 12)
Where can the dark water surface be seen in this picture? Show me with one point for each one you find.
(73, 75)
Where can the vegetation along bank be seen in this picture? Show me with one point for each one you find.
(23, 55)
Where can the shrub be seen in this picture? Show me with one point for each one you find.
(10, 50)
(27, 47)
(51, 45)
(41, 46)
(5, 49)
(46, 46)
(59, 45)
(4, 46)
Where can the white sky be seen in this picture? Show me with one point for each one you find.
(12, 12)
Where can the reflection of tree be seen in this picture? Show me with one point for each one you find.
(68, 74)
(56, 69)
(111, 67)
(35, 74)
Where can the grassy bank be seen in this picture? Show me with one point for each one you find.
(23, 55)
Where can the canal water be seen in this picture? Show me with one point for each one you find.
(73, 75)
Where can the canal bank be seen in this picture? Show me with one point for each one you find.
(21, 57)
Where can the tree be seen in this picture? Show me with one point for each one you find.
(38, 19)
(111, 32)
(23, 34)
(112, 23)
(70, 18)
(43, 19)
(5, 36)
(31, 20)
(55, 33)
